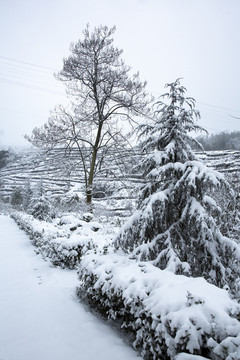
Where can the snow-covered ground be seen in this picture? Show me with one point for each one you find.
(40, 316)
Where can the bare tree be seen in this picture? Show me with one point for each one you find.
(103, 94)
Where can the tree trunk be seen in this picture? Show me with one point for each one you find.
(92, 167)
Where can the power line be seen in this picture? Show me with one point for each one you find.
(221, 108)
(22, 71)
(27, 77)
(14, 72)
(11, 82)
(20, 68)
(235, 117)
(27, 63)
(218, 107)
(13, 76)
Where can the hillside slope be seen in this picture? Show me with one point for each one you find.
(58, 171)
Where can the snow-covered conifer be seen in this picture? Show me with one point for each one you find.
(175, 225)
(27, 194)
(16, 198)
(39, 205)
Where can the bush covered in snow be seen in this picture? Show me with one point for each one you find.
(66, 240)
(102, 189)
(72, 201)
(166, 313)
(38, 231)
(41, 209)
(39, 203)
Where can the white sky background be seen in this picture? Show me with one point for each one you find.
(198, 40)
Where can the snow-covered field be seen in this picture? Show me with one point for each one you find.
(40, 316)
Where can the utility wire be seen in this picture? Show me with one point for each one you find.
(12, 69)
(218, 107)
(27, 77)
(14, 73)
(221, 108)
(27, 63)
(33, 80)
(11, 82)
(23, 70)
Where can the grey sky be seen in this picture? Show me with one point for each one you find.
(198, 40)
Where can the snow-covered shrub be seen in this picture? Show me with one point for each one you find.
(102, 189)
(39, 202)
(40, 232)
(66, 240)
(67, 252)
(176, 223)
(71, 201)
(87, 216)
(27, 194)
(166, 313)
(70, 221)
(41, 208)
(52, 241)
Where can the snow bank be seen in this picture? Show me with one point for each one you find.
(167, 313)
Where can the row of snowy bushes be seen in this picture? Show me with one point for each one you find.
(167, 313)
(64, 241)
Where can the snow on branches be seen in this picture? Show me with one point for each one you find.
(176, 224)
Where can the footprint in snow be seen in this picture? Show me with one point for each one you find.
(40, 279)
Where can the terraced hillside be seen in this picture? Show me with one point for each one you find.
(226, 162)
(58, 171)
(35, 166)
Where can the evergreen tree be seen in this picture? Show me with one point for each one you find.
(40, 206)
(175, 225)
(27, 194)
(17, 197)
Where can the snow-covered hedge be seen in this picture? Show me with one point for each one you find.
(40, 232)
(167, 313)
(65, 241)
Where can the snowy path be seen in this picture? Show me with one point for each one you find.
(40, 317)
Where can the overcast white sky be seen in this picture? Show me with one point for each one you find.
(198, 40)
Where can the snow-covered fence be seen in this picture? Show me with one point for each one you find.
(167, 314)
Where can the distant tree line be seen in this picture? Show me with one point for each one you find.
(221, 141)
